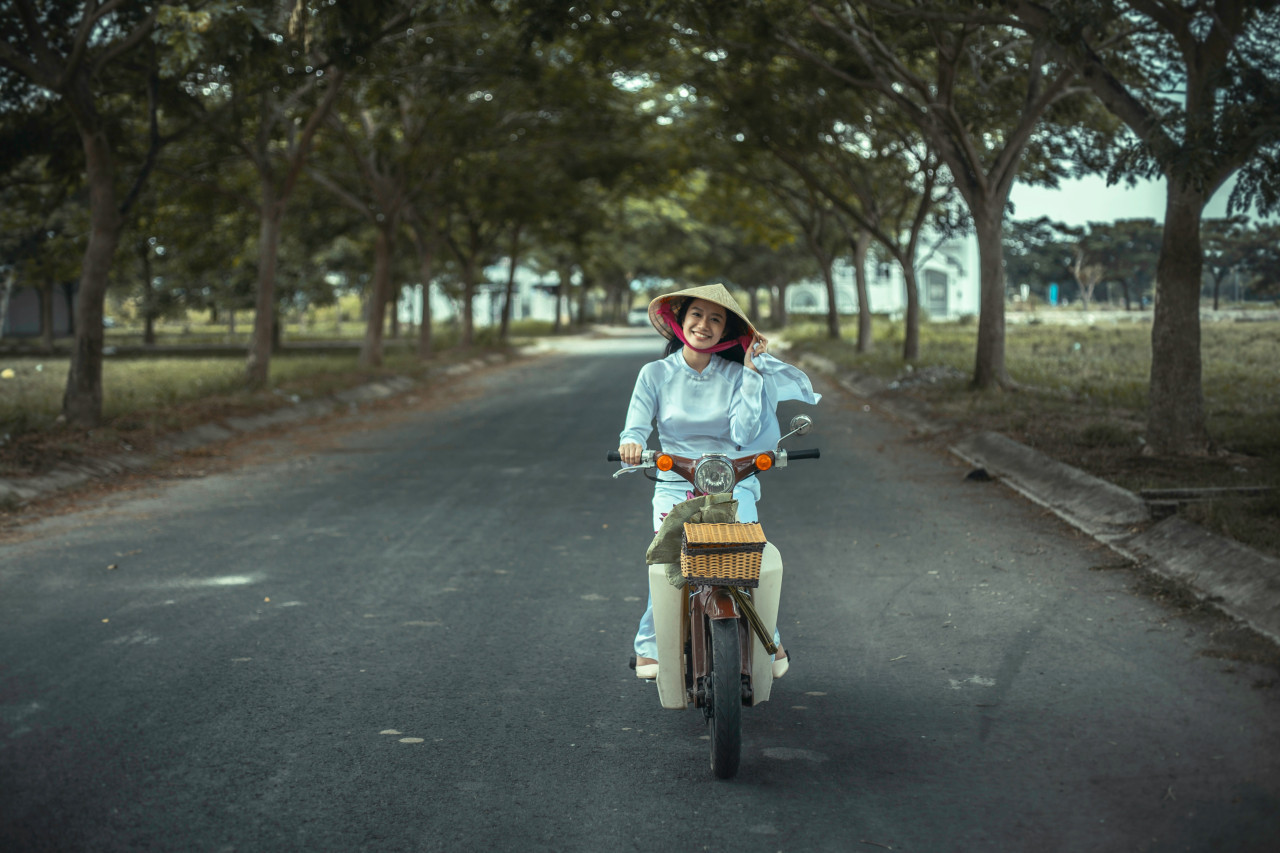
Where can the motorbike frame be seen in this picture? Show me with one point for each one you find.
(708, 603)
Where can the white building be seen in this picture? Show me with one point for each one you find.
(946, 274)
(532, 298)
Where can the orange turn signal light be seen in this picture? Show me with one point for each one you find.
(764, 462)
(664, 462)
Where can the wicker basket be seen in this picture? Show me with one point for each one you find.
(722, 554)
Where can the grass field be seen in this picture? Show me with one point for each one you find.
(150, 387)
(1081, 395)
(148, 395)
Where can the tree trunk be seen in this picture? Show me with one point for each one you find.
(1175, 411)
(9, 281)
(426, 265)
(779, 312)
(82, 401)
(425, 343)
(376, 315)
(989, 368)
(833, 313)
(911, 322)
(861, 243)
(582, 300)
(258, 368)
(468, 336)
(46, 314)
(562, 294)
(505, 328)
(148, 297)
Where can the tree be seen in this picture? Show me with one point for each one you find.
(848, 144)
(1086, 266)
(1198, 84)
(71, 52)
(822, 228)
(270, 109)
(1262, 264)
(269, 79)
(1228, 245)
(995, 105)
(1128, 250)
(379, 132)
(1036, 255)
(40, 223)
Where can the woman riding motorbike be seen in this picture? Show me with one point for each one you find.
(716, 390)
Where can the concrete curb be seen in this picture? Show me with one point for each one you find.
(69, 476)
(1241, 582)
(1082, 500)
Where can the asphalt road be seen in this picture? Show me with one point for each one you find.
(411, 634)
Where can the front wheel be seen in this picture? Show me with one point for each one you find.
(725, 712)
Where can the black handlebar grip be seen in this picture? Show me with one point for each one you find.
(804, 454)
(615, 456)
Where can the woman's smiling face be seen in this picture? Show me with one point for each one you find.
(704, 323)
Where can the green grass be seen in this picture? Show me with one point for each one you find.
(1084, 369)
(31, 399)
(147, 388)
(1081, 397)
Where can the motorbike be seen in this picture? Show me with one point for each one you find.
(715, 630)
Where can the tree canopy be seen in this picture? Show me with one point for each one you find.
(612, 144)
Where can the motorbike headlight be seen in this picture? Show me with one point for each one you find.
(713, 476)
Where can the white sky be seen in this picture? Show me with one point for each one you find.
(1079, 202)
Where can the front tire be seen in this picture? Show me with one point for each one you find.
(725, 714)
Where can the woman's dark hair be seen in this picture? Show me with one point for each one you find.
(734, 328)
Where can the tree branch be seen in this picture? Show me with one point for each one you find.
(1110, 90)
(154, 143)
(346, 196)
(309, 131)
(32, 70)
(126, 44)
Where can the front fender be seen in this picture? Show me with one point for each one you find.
(718, 603)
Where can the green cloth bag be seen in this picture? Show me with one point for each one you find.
(705, 509)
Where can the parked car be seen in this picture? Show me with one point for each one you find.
(638, 317)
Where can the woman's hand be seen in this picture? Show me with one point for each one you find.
(630, 453)
(758, 346)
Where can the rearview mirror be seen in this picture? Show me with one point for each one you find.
(800, 425)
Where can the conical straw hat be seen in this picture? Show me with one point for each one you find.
(716, 293)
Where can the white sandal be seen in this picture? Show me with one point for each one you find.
(645, 670)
